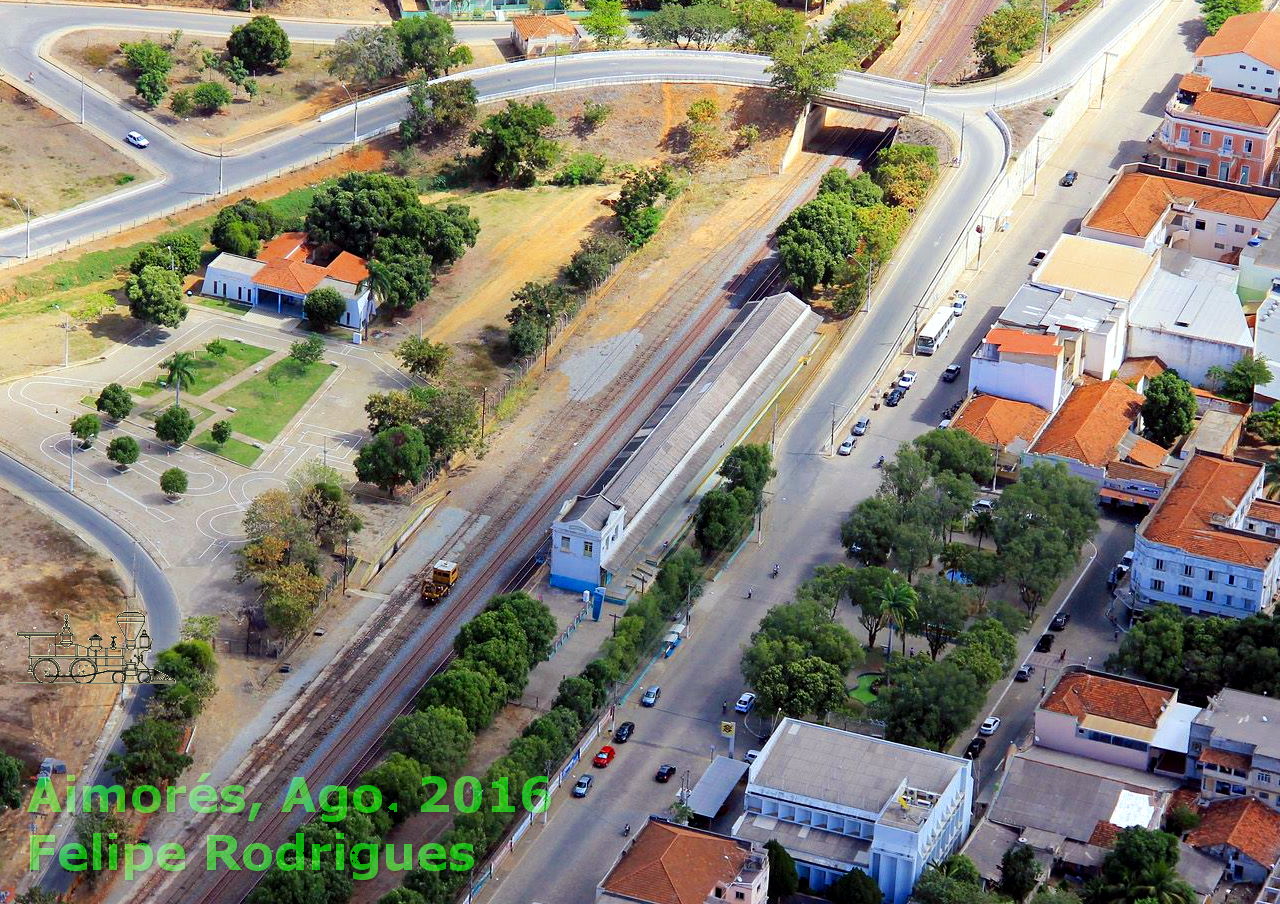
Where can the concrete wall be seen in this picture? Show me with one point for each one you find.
(1190, 357)
(1015, 380)
(1057, 731)
(230, 285)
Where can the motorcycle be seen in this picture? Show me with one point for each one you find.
(880, 463)
(775, 571)
(626, 830)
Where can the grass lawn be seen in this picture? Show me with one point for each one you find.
(268, 401)
(862, 693)
(221, 304)
(234, 449)
(210, 371)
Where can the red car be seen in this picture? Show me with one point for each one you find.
(604, 757)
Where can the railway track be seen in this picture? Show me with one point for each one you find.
(340, 693)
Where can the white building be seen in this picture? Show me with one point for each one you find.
(1209, 547)
(541, 35)
(1244, 56)
(839, 801)
(1266, 345)
(1021, 366)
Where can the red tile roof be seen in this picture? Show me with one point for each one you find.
(286, 246)
(1104, 834)
(1194, 83)
(290, 276)
(543, 26)
(1122, 470)
(1146, 453)
(1137, 201)
(285, 265)
(1243, 823)
(1135, 369)
(1081, 694)
(1091, 422)
(1209, 488)
(1265, 510)
(1018, 342)
(1246, 111)
(1228, 758)
(669, 864)
(1255, 34)
(998, 422)
(348, 268)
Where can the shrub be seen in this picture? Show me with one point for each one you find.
(210, 97)
(582, 169)
(594, 114)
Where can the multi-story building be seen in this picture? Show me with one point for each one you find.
(839, 801)
(1210, 545)
(1218, 134)
(1242, 832)
(1244, 56)
(1093, 428)
(671, 864)
(1235, 742)
(1022, 366)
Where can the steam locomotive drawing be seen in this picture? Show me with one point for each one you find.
(54, 657)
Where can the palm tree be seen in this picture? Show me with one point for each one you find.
(182, 373)
(380, 281)
(982, 526)
(1160, 883)
(898, 601)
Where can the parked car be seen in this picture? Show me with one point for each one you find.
(907, 379)
(1059, 621)
(944, 423)
(1069, 178)
(624, 732)
(582, 786)
(1038, 257)
(975, 748)
(751, 756)
(604, 757)
(1045, 643)
(846, 447)
(983, 505)
(895, 397)
(990, 725)
(745, 702)
(1127, 559)
(949, 375)
(958, 302)
(1024, 673)
(651, 696)
(664, 773)
(136, 139)
(861, 426)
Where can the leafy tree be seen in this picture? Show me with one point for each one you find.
(173, 482)
(605, 22)
(579, 696)
(1140, 867)
(402, 895)
(956, 452)
(594, 260)
(867, 589)
(307, 351)
(863, 27)
(855, 886)
(1216, 12)
(367, 55)
(359, 208)
(11, 773)
(260, 43)
(174, 426)
(1169, 410)
(327, 508)
(177, 251)
(393, 457)
(815, 239)
(210, 97)
(146, 56)
(512, 143)
(941, 611)
(764, 27)
(151, 755)
(399, 778)
(582, 169)
(749, 466)
(182, 103)
(1006, 34)
(936, 887)
(868, 531)
(534, 618)
(399, 273)
(37, 894)
(1239, 381)
(784, 881)
(97, 824)
(801, 75)
(86, 428)
(1019, 871)
(925, 703)
(961, 868)
(180, 373)
(123, 450)
(1180, 819)
(422, 357)
(1266, 425)
(861, 190)
(155, 296)
(115, 401)
(448, 417)
(152, 86)
(472, 689)
(240, 227)
(200, 627)
(722, 518)
(437, 108)
(594, 113)
(905, 172)
(641, 225)
(324, 307)
(437, 737)
(427, 42)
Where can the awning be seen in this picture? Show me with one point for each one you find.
(715, 786)
(1121, 496)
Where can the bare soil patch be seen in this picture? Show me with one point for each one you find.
(49, 572)
(298, 91)
(50, 163)
(1025, 120)
(355, 10)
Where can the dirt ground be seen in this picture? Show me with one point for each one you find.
(355, 10)
(48, 572)
(49, 163)
(299, 91)
(1024, 121)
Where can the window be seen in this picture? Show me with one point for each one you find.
(1188, 571)
(1244, 175)
(1229, 599)
(1204, 137)
(1228, 143)
(1270, 531)
(1202, 170)
(1184, 590)
(1248, 145)
(1220, 228)
(1157, 585)
(1159, 565)
(1224, 171)
(565, 544)
(1184, 134)
(1208, 596)
(1220, 246)
(1271, 72)
(1209, 575)
(739, 896)
(588, 547)
(1180, 166)
(1240, 228)
(1264, 777)
(1231, 580)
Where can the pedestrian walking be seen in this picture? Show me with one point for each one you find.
(1063, 655)
(1116, 635)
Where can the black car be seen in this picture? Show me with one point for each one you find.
(664, 773)
(1045, 643)
(1059, 621)
(1069, 179)
(1025, 672)
(624, 732)
(975, 748)
(949, 375)
(896, 396)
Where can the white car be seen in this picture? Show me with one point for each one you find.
(862, 426)
(907, 380)
(989, 726)
(958, 302)
(751, 756)
(745, 702)
(846, 447)
(136, 139)
(983, 505)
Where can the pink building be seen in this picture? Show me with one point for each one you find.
(1218, 134)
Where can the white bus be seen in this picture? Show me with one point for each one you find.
(935, 331)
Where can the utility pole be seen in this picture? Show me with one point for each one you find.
(72, 459)
(66, 341)
(928, 75)
(484, 404)
(960, 155)
(833, 427)
(221, 146)
(81, 100)
(1044, 29)
(870, 277)
(26, 211)
(1103, 92)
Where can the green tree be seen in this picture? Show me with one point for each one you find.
(639, 226)
(863, 27)
(605, 22)
(594, 113)
(1019, 871)
(855, 886)
(1141, 866)
(784, 881)
(905, 172)
(366, 55)
(326, 507)
(427, 42)
(124, 451)
(182, 103)
(534, 618)
(801, 74)
(155, 296)
(307, 351)
(749, 466)
(956, 452)
(867, 533)
(402, 895)
(115, 401)
(764, 27)
(399, 778)
(359, 208)
(399, 273)
(961, 868)
(86, 428)
(512, 142)
(180, 371)
(37, 894)
(437, 108)
(393, 457)
(1180, 819)
(173, 482)
(177, 251)
(221, 432)
(1239, 381)
(1169, 410)
(926, 703)
(941, 611)
(240, 227)
(1006, 34)
(422, 357)
(151, 755)
(151, 87)
(146, 56)
(437, 737)
(866, 590)
(210, 97)
(1216, 12)
(936, 887)
(91, 825)
(260, 43)
(324, 307)
(899, 602)
(11, 773)
(722, 518)
(861, 190)
(472, 689)
(174, 426)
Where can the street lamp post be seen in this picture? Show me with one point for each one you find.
(355, 113)
(1106, 56)
(928, 75)
(81, 100)
(26, 211)
(221, 149)
(71, 483)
